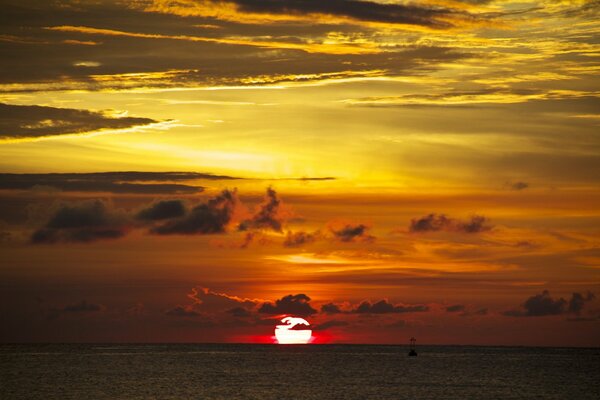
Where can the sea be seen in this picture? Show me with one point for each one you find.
(304, 372)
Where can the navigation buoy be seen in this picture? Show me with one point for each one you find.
(412, 352)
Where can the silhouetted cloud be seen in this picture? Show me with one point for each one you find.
(360, 11)
(161, 210)
(440, 222)
(578, 301)
(543, 304)
(291, 304)
(205, 302)
(113, 182)
(383, 307)
(331, 308)
(351, 233)
(299, 238)
(82, 307)
(204, 219)
(181, 311)
(239, 312)
(479, 312)
(87, 221)
(210, 301)
(455, 308)
(329, 324)
(20, 122)
(518, 185)
(268, 216)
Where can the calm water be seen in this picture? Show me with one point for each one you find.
(296, 372)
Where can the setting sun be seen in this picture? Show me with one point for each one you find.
(294, 331)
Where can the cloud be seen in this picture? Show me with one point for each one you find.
(357, 48)
(440, 222)
(204, 301)
(543, 304)
(332, 11)
(211, 301)
(455, 308)
(331, 308)
(85, 53)
(211, 217)
(87, 221)
(111, 182)
(351, 232)
(383, 307)
(239, 312)
(291, 304)
(458, 99)
(578, 301)
(268, 216)
(299, 238)
(25, 122)
(182, 311)
(480, 312)
(82, 307)
(161, 210)
(519, 185)
(329, 324)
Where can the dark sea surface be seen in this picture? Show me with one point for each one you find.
(232, 371)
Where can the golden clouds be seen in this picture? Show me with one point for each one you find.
(327, 48)
(414, 16)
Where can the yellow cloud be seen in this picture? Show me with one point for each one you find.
(327, 48)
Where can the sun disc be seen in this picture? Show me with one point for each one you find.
(293, 331)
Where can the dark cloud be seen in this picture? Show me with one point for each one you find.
(268, 216)
(19, 122)
(543, 304)
(299, 238)
(329, 325)
(87, 221)
(368, 11)
(239, 312)
(578, 301)
(74, 60)
(351, 233)
(324, 178)
(480, 312)
(82, 307)
(211, 217)
(383, 307)
(440, 222)
(204, 302)
(161, 210)
(113, 182)
(181, 311)
(331, 308)
(298, 304)
(301, 327)
(518, 185)
(455, 308)
(210, 301)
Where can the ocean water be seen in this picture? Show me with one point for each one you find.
(235, 371)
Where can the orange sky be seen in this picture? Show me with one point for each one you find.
(188, 171)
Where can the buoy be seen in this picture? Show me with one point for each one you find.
(412, 352)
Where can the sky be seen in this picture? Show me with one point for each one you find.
(193, 170)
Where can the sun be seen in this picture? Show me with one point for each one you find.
(294, 331)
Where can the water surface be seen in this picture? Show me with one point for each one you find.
(236, 371)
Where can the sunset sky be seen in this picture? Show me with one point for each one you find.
(190, 170)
